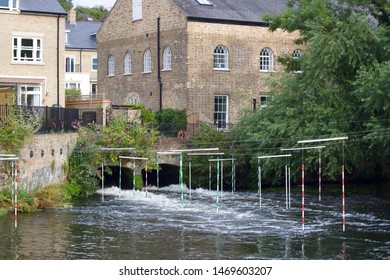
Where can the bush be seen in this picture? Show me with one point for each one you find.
(171, 121)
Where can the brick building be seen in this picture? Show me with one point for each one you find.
(213, 58)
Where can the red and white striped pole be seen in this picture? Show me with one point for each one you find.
(343, 194)
(16, 197)
(303, 196)
(319, 176)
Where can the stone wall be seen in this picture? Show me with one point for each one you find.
(42, 162)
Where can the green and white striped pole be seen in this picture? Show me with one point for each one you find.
(120, 174)
(134, 170)
(181, 180)
(218, 173)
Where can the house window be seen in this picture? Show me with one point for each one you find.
(111, 66)
(137, 9)
(221, 111)
(94, 89)
(9, 4)
(72, 86)
(94, 64)
(29, 95)
(27, 49)
(127, 64)
(67, 36)
(297, 58)
(70, 64)
(147, 61)
(167, 59)
(221, 58)
(266, 60)
(133, 100)
(263, 101)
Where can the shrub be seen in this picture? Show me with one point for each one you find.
(171, 121)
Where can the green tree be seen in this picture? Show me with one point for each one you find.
(66, 4)
(340, 39)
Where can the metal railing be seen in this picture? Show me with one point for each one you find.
(54, 119)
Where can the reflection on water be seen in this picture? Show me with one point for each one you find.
(133, 225)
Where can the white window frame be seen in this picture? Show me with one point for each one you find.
(36, 49)
(266, 60)
(298, 54)
(221, 111)
(147, 61)
(221, 58)
(94, 85)
(137, 10)
(13, 5)
(94, 64)
(127, 64)
(71, 85)
(70, 64)
(111, 66)
(263, 101)
(24, 93)
(167, 59)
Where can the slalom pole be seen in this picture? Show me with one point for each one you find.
(181, 180)
(189, 175)
(134, 177)
(232, 175)
(259, 180)
(146, 178)
(319, 176)
(221, 179)
(286, 178)
(289, 187)
(218, 173)
(209, 175)
(102, 181)
(120, 174)
(13, 180)
(16, 197)
(343, 195)
(303, 196)
(158, 174)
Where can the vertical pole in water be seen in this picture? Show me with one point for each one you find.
(16, 197)
(120, 174)
(343, 195)
(158, 174)
(235, 179)
(319, 176)
(189, 174)
(13, 180)
(103, 181)
(134, 177)
(259, 180)
(218, 173)
(289, 187)
(221, 179)
(209, 175)
(146, 178)
(303, 196)
(286, 177)
(181, 181)
(232, 176)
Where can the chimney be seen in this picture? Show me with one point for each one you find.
(72, 16)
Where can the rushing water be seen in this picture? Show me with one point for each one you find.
(154, 225)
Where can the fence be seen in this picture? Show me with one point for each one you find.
(54, 118)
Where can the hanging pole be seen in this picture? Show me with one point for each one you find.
(303, 196)
(103, 181)
(134, 172)
(221, 179)
(158, 174)
(289, 187)
(343, 195)
(13, 180)
(209, 176)
(286, 179)
(232, 176)
(218, 173)
(319, 176)
(146, 178)
(120, 174)
(181, 180)
(259, 180)
(16, 197)
(189, 174)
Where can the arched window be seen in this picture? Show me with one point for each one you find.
(147, 61)
(133, 100)
(221, 58)
(111, 66)
(298, 54)
(127, 64)
(266, 60)
(167, 59)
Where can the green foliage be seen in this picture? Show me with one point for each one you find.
(97, 12)
(66, 4)
(17, 127)
(171, 121)
(71, 190)
(342, 90)
(72, 92)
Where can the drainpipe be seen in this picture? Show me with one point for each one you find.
(160, 84)
(58, 63)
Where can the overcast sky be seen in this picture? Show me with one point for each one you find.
(92, 3)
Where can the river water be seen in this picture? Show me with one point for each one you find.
(152, 225)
